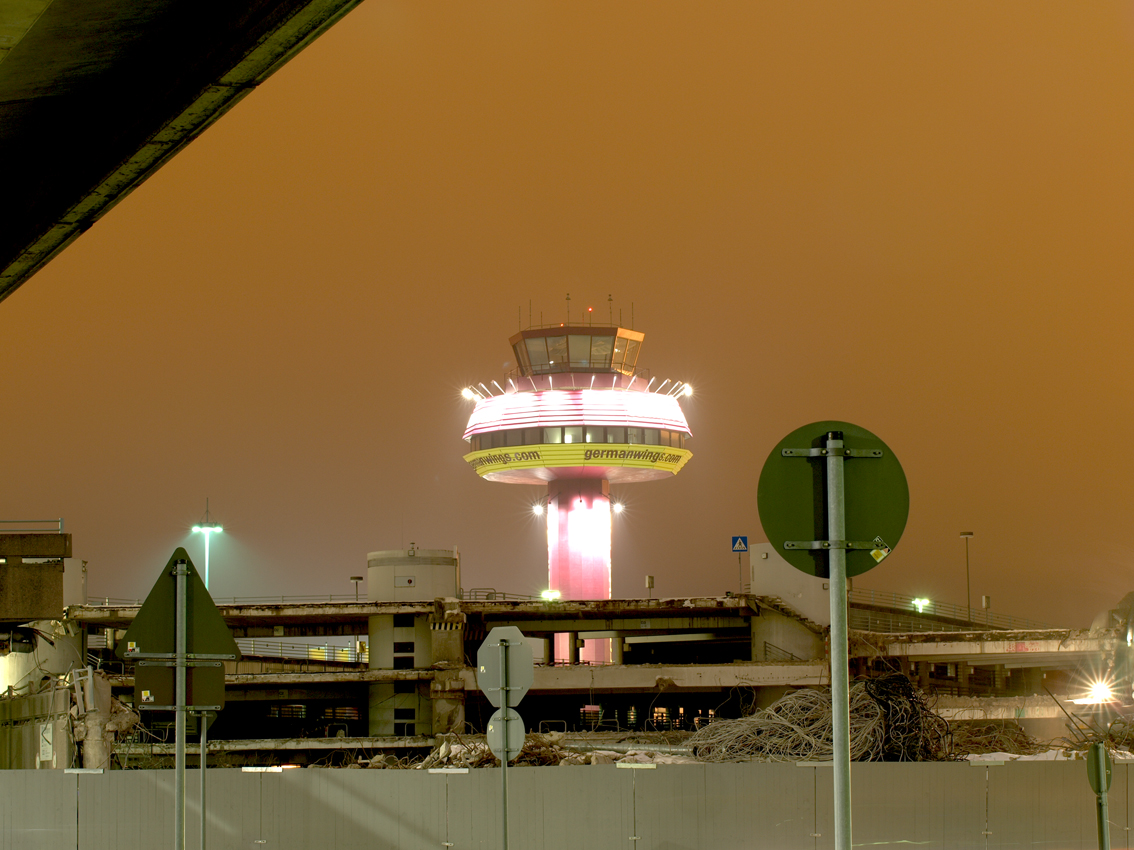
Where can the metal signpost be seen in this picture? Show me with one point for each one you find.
(179, 641)
(1099, 767)
(504, 672)
(807, 513)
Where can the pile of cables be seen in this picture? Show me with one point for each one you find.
(911, 730)
(993, 736)
(889, 721)
(796, 728)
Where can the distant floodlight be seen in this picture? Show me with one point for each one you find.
(921, 605)
(537, 509)
(688, 390)
(616, 507)
(208, 528)
(549, 595)
(468, 393)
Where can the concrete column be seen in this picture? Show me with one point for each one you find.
(964, 674)
(578, 537)
(1032, 680)
(616, 649)
(572, 647)
(923, 675)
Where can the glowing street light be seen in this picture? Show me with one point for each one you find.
(921, 605)
(617, 507)
(537, 509)
(207, 528)
(549, 595)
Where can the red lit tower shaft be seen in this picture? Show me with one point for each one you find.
(578, 537)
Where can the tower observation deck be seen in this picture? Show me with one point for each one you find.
(577, 414)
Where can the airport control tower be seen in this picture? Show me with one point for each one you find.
(578, 415)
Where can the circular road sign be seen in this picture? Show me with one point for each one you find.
(792, 497)
(505, 733)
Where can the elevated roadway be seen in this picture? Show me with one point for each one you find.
(96, 95)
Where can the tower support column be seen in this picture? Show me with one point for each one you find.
(578, 537)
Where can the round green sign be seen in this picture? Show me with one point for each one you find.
(792, 498)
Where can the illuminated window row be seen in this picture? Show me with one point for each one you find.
(579, 352)
(578, 434)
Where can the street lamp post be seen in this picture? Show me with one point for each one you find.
(356, 580)
(208, 528)
(968, 583)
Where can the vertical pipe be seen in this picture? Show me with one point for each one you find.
(207, 536)
(180, 571)
(840, 685)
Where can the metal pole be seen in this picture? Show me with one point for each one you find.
(968, 582)
(204, 751)
(1100, 795)
(840, 685)
(506, 704)
(180, 572)
(740, 573)
(208, 534)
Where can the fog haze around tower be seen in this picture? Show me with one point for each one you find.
(913, 218)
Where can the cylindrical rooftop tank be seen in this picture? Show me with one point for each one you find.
(412, 575)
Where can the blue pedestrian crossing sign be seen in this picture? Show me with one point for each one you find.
(739, 544)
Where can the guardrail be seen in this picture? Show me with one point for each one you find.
(34, 526)
(122, 602)
(305, 651)
(261, 648)
(929, 612)
(491, 594)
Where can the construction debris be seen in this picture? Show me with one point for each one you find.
(890, 720)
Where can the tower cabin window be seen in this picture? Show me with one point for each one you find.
(577, 434)
(578, 350)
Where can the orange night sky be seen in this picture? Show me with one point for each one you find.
(914, 217)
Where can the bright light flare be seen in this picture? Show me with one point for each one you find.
(616, 507)
(468, 393)
(921, 605)
(208, 529)
(549, 595)
(1099, 692)
(537, 509)
(688, 391)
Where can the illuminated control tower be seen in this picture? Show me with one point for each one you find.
(577, 416)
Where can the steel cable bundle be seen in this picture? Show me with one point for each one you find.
(889, 721)
(912, 731)
(795, 728)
